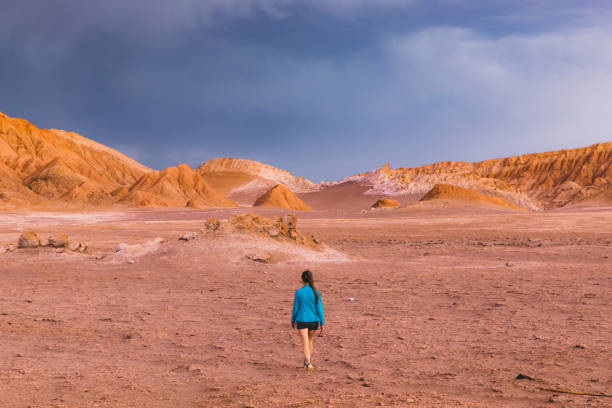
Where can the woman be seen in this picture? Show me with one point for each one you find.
(307, 314)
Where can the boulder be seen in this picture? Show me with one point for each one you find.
(260, 255)
(188, 236)
(58, 240)
(28, 239)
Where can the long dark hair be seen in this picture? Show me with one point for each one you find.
(307, 278)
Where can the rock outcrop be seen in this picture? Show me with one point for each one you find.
(386, 203)
(277, 228)
(280, 196)
(28, 239)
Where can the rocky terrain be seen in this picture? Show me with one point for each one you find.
(428, 307)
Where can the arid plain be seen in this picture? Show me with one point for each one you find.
(455, 284)
(450, 305)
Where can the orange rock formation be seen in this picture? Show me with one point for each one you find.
(466, 195)
(48, 166)
(538, 180)
(177, 186)
(281, 196)
(386, 203)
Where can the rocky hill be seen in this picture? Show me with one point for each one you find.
(52, 167)
(534, 181)
(282, 197)
(245, 180)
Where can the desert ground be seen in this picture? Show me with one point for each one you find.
(449, 306)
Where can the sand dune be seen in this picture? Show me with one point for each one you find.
(465, 195)
(282, 197)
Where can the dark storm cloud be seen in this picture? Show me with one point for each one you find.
(323, 88)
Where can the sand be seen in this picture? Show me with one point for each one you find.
(450, 306)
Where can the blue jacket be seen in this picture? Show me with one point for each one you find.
(304, 309)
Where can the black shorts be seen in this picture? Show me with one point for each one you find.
(308, 325)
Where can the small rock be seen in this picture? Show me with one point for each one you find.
(524, 377)
(28, 239)
(508, 264)
(100, 255)
(159, 240)
(188, 236)
(579, 346)
(131, 261)
(351, 299)
(73, 245)
(58, 240)
(121, 247)
(260, 256)
(272, 231)
(82, 247)
(59, 251)
(212, 224)
(10, 248)
(195, 367)
(44, 242)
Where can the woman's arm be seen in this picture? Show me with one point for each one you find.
(296, 306)
(320, 310)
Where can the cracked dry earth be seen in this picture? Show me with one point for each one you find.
(449, 308)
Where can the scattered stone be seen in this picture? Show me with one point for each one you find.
(73, 245)
(524, 377)
(58, 240)
(121, 247)
(261, 256)
(188, 236)
(28, 239)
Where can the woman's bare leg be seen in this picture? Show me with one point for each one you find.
(305, 343)
(311, 336)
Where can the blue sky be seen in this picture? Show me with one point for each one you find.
(322, 88)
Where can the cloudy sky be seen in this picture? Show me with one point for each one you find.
(323, 88)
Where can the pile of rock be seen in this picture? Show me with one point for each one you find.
(30, 239)
(279, 228)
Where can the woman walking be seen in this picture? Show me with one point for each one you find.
(307, 315)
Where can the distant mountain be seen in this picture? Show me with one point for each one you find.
(48, 167)
(535, 181)
(245, 180)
